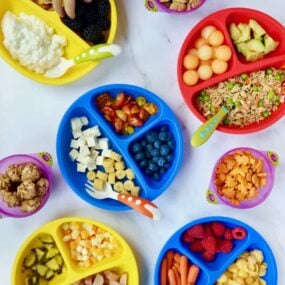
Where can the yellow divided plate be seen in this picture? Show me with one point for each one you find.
(122, 258)
(75, 45)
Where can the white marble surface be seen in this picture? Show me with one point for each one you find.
(30, 115)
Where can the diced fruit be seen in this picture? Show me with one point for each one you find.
(119, 100)
(103, 100)
(118, 124)
(135, 121)
(257, 29)
(30, 260)
(121, 115)
(270, 44)
(235, 32)
(108, 111)
(255, 45)
(144, 114)
(134, 109)
(151, 108)
(140, 101)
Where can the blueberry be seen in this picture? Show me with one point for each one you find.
(143, 143)
(156, 176)
(143, 163)
(163, 136)
(155, 159)
(151, 137)
(162, 170)
(161, 161)
(152, 166)
(167, 165)
(170, 157)
(164, 150)
(139, 156)
(157, 144)
(164, 129)
(154, 152)
(147, 154)
(147, 171)
(171, 143)
(136, 148)
(149, 147)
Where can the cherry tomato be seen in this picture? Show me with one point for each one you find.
(103, 100)
(135, 121)
(118, 124)
(143, 114)
(119, 100)
(108, 111)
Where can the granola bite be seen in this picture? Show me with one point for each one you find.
(27, 190)
(10, 198)
(31, 205)
(31, 172)
(5, 182)
(14, 173)
(42, 186)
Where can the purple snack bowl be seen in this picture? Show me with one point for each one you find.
(44, 161)
(270, 160)
(157, 6)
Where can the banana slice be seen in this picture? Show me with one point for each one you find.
(120, 174)
(120, 165)
(102, 175)
(91, 175)
(129, 184)
(119, 187)
(111, 178)
(130, 174)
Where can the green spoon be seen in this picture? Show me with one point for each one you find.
(204, 132)
(97, 52)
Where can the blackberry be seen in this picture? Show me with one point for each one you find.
(105, 24)
(90, 15)
(80, 8)
(102, 7)
(93, 33)
(74, 24)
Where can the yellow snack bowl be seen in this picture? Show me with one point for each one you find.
(123, 258)
(75, 45)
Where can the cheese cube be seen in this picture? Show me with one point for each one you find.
(84, 159)
(73, 154)
(81, 167)
(76, 134)
(116, 156)
(91, 165)
(99, 160)
(95, 131)
(102, 175)
(84, 150)
(76, 124)
(81, 141)
(91, 141)
(84, 121)
(108, 162)
(74, 144)
(107, 153)
(103, 143)
(98, 184)
(110, 169)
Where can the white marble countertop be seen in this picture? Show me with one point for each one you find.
(30, 115)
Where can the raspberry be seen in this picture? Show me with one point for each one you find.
(239, 233)
(196, 231)
(218, 229)
(226, 246)
(208, 256)
(228, 234)
(210, 244)
(187, 238)
(196, 246)
(207, 230)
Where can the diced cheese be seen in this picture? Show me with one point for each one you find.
(106, 153)
(81, 167)
(76, 134)
(91, 141)
(81, 141)
(73, 154)
(91, 165)
(103, 143)
(84, 159)
(74, 144)
(84, 121)
(99, 160)
(120, 165)
(84, 150)
(76, 124)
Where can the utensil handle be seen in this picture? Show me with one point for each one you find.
(98, 52)
(141, 205)
(204, 132)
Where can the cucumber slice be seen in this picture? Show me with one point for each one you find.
(52, 252)
(49, 275)
(39, 253)
(53, 265)
(46, 239)
(30, 260)
(41, 269)
(33, 280)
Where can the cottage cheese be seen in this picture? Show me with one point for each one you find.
(31, 41)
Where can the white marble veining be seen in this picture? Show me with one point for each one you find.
(30, 115)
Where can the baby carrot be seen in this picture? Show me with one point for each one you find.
(176, 265)
(183, 269)
(177, 276)
(192, 274)
(163, 272)
(169, 257)
(171, 277)
(177, 257)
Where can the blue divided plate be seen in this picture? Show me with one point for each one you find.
(211, 271)
(86, 106)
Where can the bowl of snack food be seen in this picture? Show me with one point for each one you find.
(27, 28)
(243, 178)
(216, 250)
(121, 135)
(25, 184)
(75, 250)
(244, 73)
(173, 6)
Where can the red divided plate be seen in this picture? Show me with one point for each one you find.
(237, 64)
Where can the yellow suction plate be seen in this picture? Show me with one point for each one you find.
(123, 259)
(75, 45)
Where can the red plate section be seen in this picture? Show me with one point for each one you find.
(237, 65)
